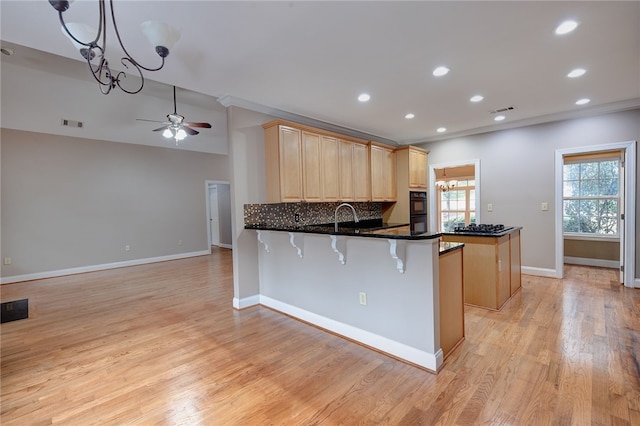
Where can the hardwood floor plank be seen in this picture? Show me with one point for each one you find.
(161, 344)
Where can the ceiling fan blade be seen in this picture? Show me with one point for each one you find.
(205, 125)
(152, 121)
(160, 128)
(189, 130)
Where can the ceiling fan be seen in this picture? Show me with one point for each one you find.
(175, 127)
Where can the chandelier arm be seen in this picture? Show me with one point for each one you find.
(124, 75)
(97, 72)
(129, 57)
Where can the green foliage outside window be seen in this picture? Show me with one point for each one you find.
(591, 197)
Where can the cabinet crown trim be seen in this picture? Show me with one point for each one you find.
(314, 130)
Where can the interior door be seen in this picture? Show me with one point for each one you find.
(214, 220)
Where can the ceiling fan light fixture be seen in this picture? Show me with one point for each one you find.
(180, 134)
(167, 133)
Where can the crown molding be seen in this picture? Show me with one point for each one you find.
(548, 118)
(228, 101)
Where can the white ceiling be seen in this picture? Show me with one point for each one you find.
(314, 58)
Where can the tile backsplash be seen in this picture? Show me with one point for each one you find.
(284, 214)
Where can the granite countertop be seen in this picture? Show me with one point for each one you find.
(508, 230)
(374, 228)
(446, 247)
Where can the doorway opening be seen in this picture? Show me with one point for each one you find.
(459, 201)
(585, 205)
(218, 202)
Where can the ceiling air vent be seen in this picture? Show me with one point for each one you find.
(496, 111)
(71, 123)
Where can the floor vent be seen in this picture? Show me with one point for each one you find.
(13, 311)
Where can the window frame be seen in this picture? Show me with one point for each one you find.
(584, 159)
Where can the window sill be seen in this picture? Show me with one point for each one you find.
(609, 238)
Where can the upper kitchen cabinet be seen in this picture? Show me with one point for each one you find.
(308, 164)
(283, 154)
(411, 163)
(354, 171)
(417, 166)
(383, 172)
(330, 168)
(361, 172)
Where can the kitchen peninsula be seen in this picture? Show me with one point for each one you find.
(378, 285)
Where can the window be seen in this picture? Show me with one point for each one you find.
(591, 195)
(457, 206)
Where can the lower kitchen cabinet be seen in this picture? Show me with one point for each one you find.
(451, 300)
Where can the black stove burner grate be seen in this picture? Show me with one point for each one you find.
(482, 228)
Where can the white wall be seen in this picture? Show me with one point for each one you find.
(517, 173)
(75, 203)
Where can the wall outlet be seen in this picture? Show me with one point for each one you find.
(127, 247)
(363, 298)
(179, 242)
(7, 261)
(489, 207)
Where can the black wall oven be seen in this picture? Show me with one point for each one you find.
(418, 211)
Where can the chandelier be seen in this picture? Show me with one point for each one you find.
(445, 184)
(87, 41)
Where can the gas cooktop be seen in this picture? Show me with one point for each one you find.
(482, 228)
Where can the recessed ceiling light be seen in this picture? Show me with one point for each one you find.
(583, 101)
(500, 118)
(441, 129)
(364, 97)
(576, 73)
(440, 71)
(409, 116)
(566, 27)
(6, 51)
(476, 98)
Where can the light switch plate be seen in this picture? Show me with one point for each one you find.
(489, 207)
(544, 207)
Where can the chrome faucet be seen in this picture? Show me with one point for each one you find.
(355, 216)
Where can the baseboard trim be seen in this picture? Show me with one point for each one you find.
(541, 272)
(592, 262)
(102, 267)
(227, 246)
(426, 360)
(246, 302)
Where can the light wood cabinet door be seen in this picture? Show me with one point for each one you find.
(451, 300)
(516, 267)
(504, 271)
(330, 168)
(290, 155)
(383, 174)
(390, 178)
(417, 169)
(361, 173)
(346, 175)
(311, 167)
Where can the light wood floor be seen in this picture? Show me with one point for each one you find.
(161, 344)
